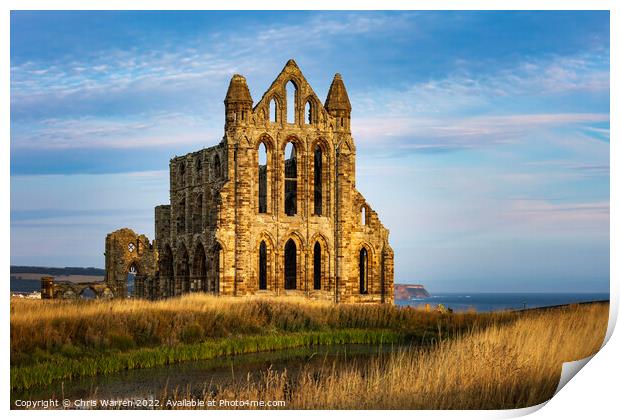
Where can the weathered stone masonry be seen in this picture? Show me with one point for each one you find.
(271, 210)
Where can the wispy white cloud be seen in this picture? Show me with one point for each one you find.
(153, 97)
(152, 130)
(457, 133)
(583, 168)
(206, 60)
(464, 111)
(451, 113)
(463, 91)
(565, 218)
(588, 72)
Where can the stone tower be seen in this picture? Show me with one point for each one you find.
(273, 209)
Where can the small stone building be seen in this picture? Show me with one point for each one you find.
(271, 210)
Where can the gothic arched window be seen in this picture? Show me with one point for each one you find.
(273, 110)
(217, 166)
(363, 271)
(308, 113)
(262, 178)
(291, 95)
(290, 265)
(318, 181)
(181, 216)
(197, 219)
(317, 266)
(262, 266)
(182, 174)
(199, 171)
(290, 179)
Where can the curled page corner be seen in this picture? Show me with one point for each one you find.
(570, 369)
(522, 412)
(611, 324)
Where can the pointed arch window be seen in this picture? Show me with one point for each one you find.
(199, 280)
(182, 174)
(217, 166)
(182, 284)
(181, 217)
(273, 110)
(363, 271)
(198, 214)
(290, 265)
(317, 266)
(262, 266)
(131, 279)
(262, 178)
(166, 270)
(318, 181)
(290, 179)
(308, 113)
(291, 96)
(199, 170)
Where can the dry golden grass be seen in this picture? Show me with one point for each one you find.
(501, 366)
(81, 327)
(37, 310)
(468, 361)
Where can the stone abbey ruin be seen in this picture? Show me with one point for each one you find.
(271, 210)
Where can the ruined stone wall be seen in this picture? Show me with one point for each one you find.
(126, 253)
(245, 227)
(162, 224)
(196, 181)
(210, 236)
(52, 289)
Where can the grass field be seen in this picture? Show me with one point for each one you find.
(460, 360)
(501, 366)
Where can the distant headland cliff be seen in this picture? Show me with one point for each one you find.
(409, 291)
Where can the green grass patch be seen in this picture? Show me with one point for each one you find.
(64, 367)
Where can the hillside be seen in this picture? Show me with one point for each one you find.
(58, 271)
(409, 291)
(26, 279)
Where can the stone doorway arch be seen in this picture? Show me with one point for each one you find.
(132, 274)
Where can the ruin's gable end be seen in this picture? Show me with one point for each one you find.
(243, 224)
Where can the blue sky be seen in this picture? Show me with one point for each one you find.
(482, 137)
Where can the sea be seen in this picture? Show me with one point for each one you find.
(25, 286)
(488, 302)
(480, 302)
